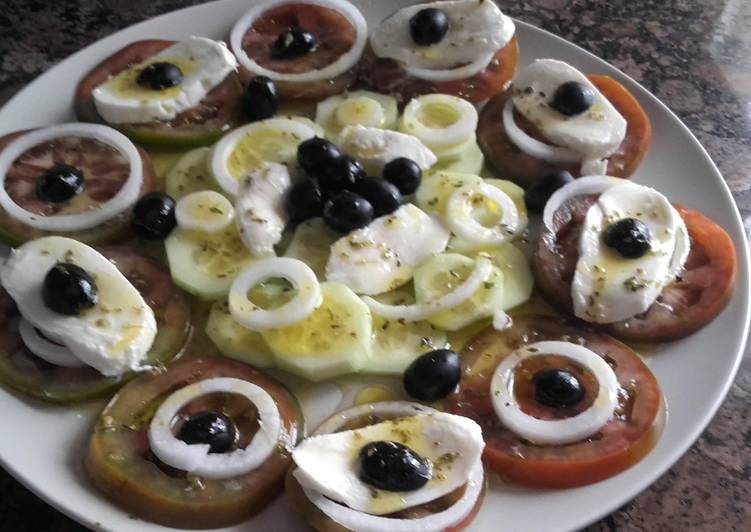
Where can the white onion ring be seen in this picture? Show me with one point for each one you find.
(559, 431)
(452, 74)
(123, 200)
(461, 222)
(299, 275)
(362, 522)
(457, 133)
(195, 458)
(387, 409)
(224, 148)
(186, 220)
(344, 63)
(422, 311)
(533, 147)
(55, 354)
(594, 184)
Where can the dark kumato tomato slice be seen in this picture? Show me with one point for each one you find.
(105, 172)
(119, 460)
(509, 162)
(321, 522)
(387, 76)
(29, 374)
(218, 112)
(334, 34)
(622, 442)
(684, 307)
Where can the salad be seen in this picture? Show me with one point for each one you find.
(318, 199)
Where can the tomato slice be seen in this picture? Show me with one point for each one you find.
(621, 443)
(334, 33)
(121, 464)
(387, 76)
(105, 172)
(509, 162)
(684, 307)
(218, 112)
(25, 372)
(321, 522)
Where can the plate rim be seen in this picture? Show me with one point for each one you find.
(678, 450)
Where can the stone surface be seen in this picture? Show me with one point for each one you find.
(694, 54)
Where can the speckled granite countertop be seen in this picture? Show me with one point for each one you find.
(695, 55)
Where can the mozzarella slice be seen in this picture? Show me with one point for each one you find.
(329, 464)
(114, 336)
(204, 64)
(594, 134)
(477, 30)
(374, 148)
(384, 255)
(259, 207)
(607, 287)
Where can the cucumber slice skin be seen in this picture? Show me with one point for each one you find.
(31, 376)
(311, 244)
(234, 341)
(451, 270)
(334, 340)
(182, 249)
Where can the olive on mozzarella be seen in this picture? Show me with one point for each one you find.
(555, 388)
(202, 458)
(97, 315)
(578, 121)
(383, 255)
(475, 32)
(165, 85)
(374, 148)
(119, 203)
(633, 244)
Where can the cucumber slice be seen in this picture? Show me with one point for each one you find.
(163, 162)
(436, 189)
(396, 344)
(190, 174)
(356, 108)
(518, 280)
(311, 244)
(235, 341)
(334, 340)
(205, 264)
(467, 158)
(441, 274)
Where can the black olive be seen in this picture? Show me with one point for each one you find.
(210, 428)
(69, 289)
(304, 201)
(573, 98)
(316, 155)
(433, 376)
(342, 173)
(59, 183)
(391, 466)
(293, 42)
(382, 195)
(538, 194)
(429, 26)
(557, 388)
(347, 211)
(158, 76)
(405, 173)
(154, 216)
(629, 237)
(260, 99)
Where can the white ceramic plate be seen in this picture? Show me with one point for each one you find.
(44, 448)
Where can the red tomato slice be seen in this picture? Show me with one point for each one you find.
(621, 443)
(121, 464)
(511, 163)
(684, 306)
(105, 172)
(218, 112)
(387, 76)
(334, 33)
